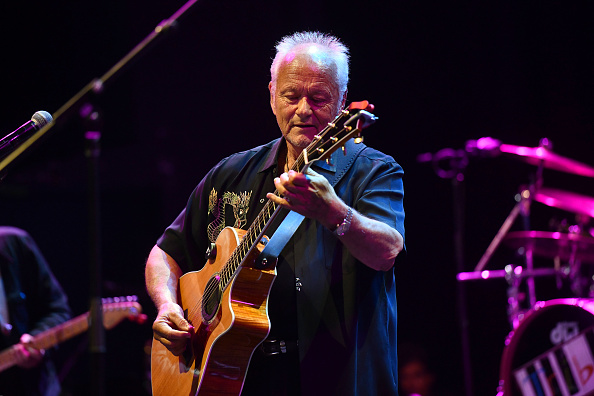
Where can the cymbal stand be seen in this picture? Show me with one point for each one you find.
(513, 274)
(528, 254)
(574, 265)
(513, 278)
(503, 230)
(522, 208)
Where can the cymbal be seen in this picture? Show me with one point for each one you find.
(548, 159)
(553, 244)
(565, 200)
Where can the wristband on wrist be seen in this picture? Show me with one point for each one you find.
(343, 227)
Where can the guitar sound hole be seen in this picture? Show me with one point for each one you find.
(211, 298)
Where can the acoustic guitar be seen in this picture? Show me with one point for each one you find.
(113, 314)
(226, 300)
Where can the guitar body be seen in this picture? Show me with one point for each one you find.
(218, 353)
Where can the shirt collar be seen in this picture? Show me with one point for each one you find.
(272, 158)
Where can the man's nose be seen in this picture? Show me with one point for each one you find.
(303, 108)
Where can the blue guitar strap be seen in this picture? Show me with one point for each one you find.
(267, 259)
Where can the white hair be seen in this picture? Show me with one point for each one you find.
(330, 46)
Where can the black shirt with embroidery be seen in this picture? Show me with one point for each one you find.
(344, 313)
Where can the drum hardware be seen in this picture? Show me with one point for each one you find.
(568, 201)
(542, 157)
(570, 247)
(513, 275)
(574, 249)
(521, 208)
(548, 159)
(551, 352)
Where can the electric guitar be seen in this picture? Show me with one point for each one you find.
(226, 301)
(113, 314)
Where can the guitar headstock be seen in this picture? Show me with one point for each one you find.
(347, 125)
(116, 309)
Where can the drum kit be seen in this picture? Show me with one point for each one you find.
(550, 349)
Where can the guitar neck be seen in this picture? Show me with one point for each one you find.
(255, 232)
(113, 313)
(62, 332)
(250, 240)
(48, 338)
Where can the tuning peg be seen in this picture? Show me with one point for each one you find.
(328, 162)
(344, 151)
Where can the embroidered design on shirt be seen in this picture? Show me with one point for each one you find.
(239, 203)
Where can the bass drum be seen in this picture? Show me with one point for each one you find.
(551, 352)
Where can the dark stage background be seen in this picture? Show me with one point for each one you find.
(439, 75)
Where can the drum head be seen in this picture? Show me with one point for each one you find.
(551, 352)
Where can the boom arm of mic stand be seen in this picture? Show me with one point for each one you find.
(97, 85)
(97, 347)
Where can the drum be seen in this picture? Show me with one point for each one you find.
(551, 352)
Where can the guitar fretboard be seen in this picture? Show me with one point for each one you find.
(254, 234)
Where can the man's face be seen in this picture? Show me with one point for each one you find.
(305, 100)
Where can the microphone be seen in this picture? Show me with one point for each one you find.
(38, 121)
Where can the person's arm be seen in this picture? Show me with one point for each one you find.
(372, 242)
(161, 275)
(47, 304)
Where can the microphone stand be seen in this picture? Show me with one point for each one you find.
(96, 86)
(97, 347)
(458, 160)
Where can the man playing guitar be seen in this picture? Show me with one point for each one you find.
(332, 306)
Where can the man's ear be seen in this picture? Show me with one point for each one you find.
(271, 90)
